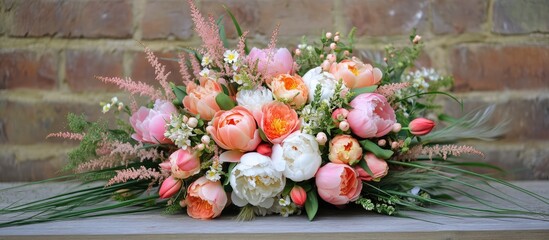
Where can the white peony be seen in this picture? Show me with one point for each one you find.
(315, 77)
(254, 99)
(255, 181)
(298, 156)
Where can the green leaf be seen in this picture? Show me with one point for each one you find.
(224, 101)
(289, 185)
(225, 89)
(180, 93)
(362, 163)
(231, 166)
(237, 27)
(262, 135)
(222, 33)
(369, 89)
(376, 150)
(311, 204)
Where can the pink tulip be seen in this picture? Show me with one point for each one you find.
(421, 126)
(298, 195)
(169, 187)
(150, 124)
(356, 74)
(205, 199)
(338, 184)
(280, 61)
(371, 116)
(378, 167)
(200, 99)
(265, 149)
(345, 149)
(235, 130)
(184, 164)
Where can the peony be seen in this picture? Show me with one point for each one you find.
(344, 149)
(184, 164)
(338, 184)
(278, 121)
(205, 199)
(421, 126)
(356, 74)
(169, 187)
(150, 124)
(326, 80)
(371, 116)
(290, 89)
(298, 156)
(377, 166)
(235, 130)
(253, 100)
(255, 181)
(280, 61)
(200, 99)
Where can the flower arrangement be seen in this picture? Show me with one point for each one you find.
(274, 131)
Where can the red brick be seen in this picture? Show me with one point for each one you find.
(376, 56)
(296, 18)
(101, 18)
(27, 69)
(143, 71)
(35, 168)
(487, 67)
(386, 17)
(458, 16)
(83, 65)
(163, 19)
(519, 17)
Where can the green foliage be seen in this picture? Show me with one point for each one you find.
(398, 60)
(172, 209)
(311, 204)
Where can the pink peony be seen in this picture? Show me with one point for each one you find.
(356, 74)
(150, 124)
(378, 167)
(371, 116)
(421, 126)
(205, 199)
(338, 184)
(201, 98)
(184, 164)
(235, 130)
(280, 61)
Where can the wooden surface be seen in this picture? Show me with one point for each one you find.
(329, 224)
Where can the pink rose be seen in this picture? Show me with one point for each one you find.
(378, 167)
(150, 124)
(338, 184)
(371, 116)
(205, 199)
(169, 187)
(235, 130)
(356, 74)
(280, 61)
(200, 99)
(184, 164)
(344, 149)
(421, 126)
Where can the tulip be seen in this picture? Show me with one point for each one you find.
(298, 195)
(235, 129)
(421, 126)
(205, 199)
(169, 187)
(338, 184)
(184, 164)
(377, 166)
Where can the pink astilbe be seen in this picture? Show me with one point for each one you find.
(67, 135)
(242, 44)
(183, 69)
(133, 87)
(195, 65)
(439, 150)
(141, 173)
(127, 150)
(389, 90)
(161, 76)
(209, 33)
(103, 162)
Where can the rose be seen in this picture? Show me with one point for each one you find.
(255, 181)
(315, 77)
(184, 164)
(235, 130)
(150, 124)
(278, 121)
(280, 61)
(200, 99)
(356, 74)
(338, 184)
(253, 100)
(289, 89)
(298, 156)
(169, 187)
(377, 166)
(421, 126)
(371, 116)
(344, 149)
(205, 199)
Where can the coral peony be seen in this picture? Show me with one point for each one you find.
(290, 89)
(377, 166)
(205, 199)
(200, 99)
(356, 74)
(235, 129)
(344, 149)
(338, 184)
(278, 121)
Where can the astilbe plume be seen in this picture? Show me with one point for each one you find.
(183, 69)
(67, 135)
(209, 33)
(161, 76)
(141, 173)
(119, 154)
(195, 65)
(242, 44)
(439, 150)
(389, 90)
(133, 87)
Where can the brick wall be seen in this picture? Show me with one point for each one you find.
(50, 51)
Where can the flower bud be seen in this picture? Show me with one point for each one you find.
(169, 187)
(205, 139)
(416, 39)
(344, 126)
(328, 35)
(333, 46)
(298, 195)
(321, 138)
(381, 142)
(298, 52)
(421, 126)
(264, 149)
(339, 115)
(336, 38)
(192, 123)
(397, 127)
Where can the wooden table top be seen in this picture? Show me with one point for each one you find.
(329, 224)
